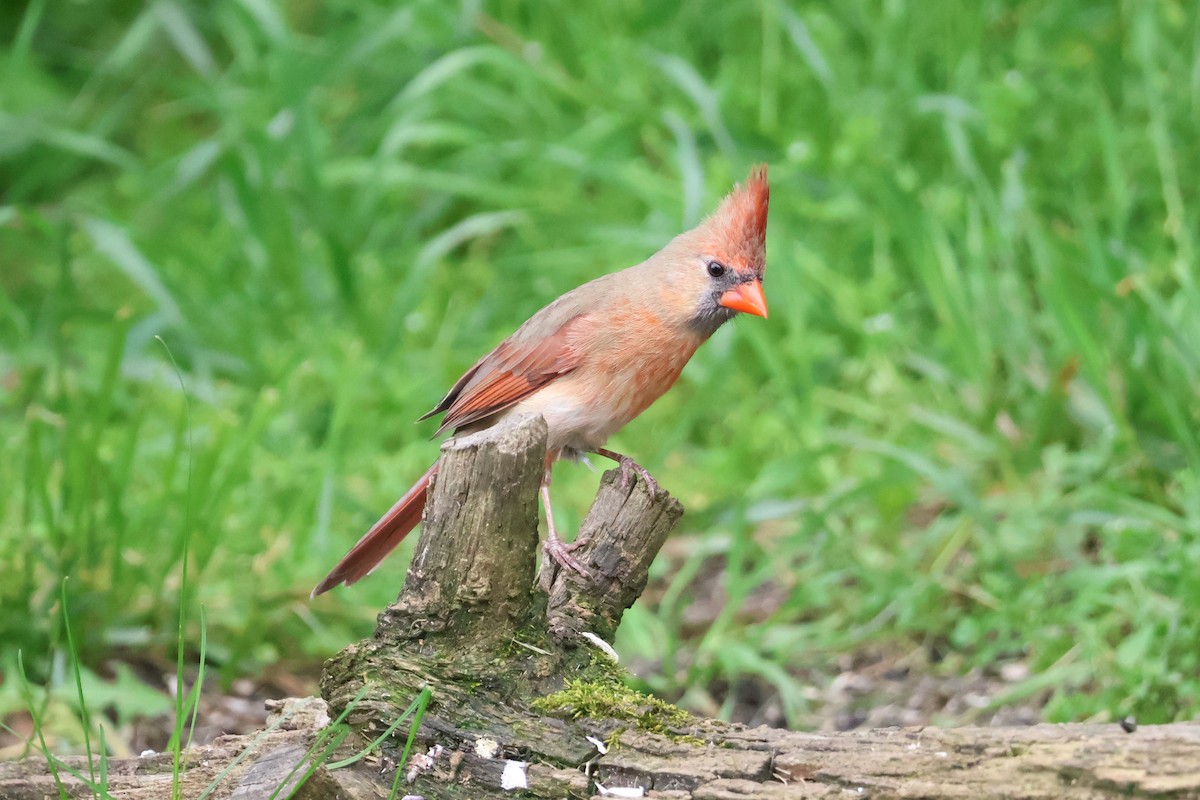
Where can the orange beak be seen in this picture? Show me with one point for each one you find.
(747, 298)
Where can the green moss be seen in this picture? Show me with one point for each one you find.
(608, 698)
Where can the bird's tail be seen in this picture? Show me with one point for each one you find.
(382, 539)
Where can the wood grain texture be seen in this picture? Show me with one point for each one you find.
(475, 559)
(621, 535)
(1042, 762)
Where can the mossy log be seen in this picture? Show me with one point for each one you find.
(527, 702)
(1043, 762)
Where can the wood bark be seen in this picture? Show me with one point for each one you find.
(471, 625)
(730, 762)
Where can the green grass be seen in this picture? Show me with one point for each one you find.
(969, 427)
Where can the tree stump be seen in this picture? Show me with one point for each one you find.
(471, 625)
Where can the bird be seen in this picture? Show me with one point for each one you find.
(597, 357)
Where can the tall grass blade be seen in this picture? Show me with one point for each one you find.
(37, 715)
(84, 714)
(181, 704)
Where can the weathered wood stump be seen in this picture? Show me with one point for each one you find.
(527, 703)
(471, 624)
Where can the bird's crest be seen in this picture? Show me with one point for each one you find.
(740, 222)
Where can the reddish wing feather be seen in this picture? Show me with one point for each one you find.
(507, 375)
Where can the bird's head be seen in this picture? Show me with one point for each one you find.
(726, 255)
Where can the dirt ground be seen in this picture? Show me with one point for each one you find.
(872, 687)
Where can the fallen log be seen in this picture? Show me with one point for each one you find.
(733, 763)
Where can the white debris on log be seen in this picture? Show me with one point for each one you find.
(604, 646)
(514, 776)
(422, 763)
(620, 791)
(486, 748)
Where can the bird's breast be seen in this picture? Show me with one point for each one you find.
(615, 382)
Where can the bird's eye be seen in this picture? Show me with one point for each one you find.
(716, 269)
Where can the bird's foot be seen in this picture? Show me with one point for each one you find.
(629, 468)
(560, 552)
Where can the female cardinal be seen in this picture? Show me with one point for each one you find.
(598, 356)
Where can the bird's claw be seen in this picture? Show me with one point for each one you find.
(629, 468)
(560, 552)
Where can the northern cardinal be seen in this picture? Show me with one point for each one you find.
(598, 356)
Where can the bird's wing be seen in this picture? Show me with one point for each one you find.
(518, 367)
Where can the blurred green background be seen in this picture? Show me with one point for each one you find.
(965, 445)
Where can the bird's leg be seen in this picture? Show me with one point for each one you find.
(555, 547)
(628, 467)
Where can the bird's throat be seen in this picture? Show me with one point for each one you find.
(711, 316)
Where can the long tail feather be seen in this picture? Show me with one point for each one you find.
(382, 539)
